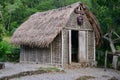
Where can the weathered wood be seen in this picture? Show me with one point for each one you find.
(118, 67)
(105, 65)
(77, 29)
(82, 47)
(87, 46)
(94, 46)
(51, 52)
(62, 48)
(66, 46)
(108, 36)
(70, 47)
(114, 63)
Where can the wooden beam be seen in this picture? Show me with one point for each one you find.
(62, 35)
(51, 52)
(78, 29)
(105, 64)
(87, 45)
(94, 46)
(70, 47)
(36, 56)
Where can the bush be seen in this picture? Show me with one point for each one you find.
(8, 52)
(14, 56)
(5, 48)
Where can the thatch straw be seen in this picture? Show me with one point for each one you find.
(42, 27)
(94, 23)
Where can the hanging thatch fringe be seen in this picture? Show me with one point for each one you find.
(94, 23)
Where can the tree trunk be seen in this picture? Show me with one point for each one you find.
(115, 58)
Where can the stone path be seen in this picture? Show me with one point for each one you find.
(98, 73)
(16, 68)
(72, 74)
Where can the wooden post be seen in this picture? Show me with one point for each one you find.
(105, 65)
(62, 47)
(36, 56)
(114, 63)
(94, 46)
(115, 58)
(109, 38)
(70, 47)
(51, 52)
(87, 46)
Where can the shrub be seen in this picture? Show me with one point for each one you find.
(8, 52)
(5, 48)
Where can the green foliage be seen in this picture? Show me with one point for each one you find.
(5, 47)
(1, 32)
(85, 78)
(8, 52)
(100, 56)
(53, 69)
(15, 55)
(107, 13)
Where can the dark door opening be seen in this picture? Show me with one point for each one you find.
(74, 41)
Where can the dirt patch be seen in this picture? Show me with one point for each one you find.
(85, 78)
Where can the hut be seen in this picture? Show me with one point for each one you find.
(59, 36)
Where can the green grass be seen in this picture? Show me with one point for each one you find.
(85, 78)
(51, 69)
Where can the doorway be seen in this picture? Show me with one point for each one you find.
(74, 44)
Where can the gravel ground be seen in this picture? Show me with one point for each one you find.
(98, 73)
(15, 68)
(72, 74)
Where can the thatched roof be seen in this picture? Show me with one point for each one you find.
(42, 27)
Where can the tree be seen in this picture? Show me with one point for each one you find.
(108, 12)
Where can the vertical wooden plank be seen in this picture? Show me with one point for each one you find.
(62, 48)
(36, 55)
(51, 52)
(21, 54)
(82, 47)
(94, 46)
(105, 63)
(87, 45)
(70, 46)
(24, 52)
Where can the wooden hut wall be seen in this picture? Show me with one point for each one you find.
(56, 50)
(50, 55)
(65, 46)
(89, 34)
(35, 55)
(91, 46)
(72, 23)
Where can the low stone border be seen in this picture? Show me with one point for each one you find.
(28, 73)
